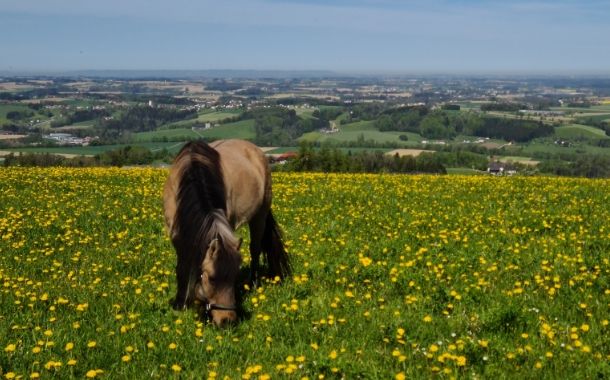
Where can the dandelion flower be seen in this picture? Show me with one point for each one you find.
(10, 348)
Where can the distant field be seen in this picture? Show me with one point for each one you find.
(353, 136)
(519, 159)
(93, 150)
(408, 152)
(579, 130)
(545, 147)
(170, 134)
(306, 113)
(596, 117)
(6, 108)
(203, 117)
(239, 130)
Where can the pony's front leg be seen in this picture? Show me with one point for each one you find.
(257, 228)
(181, 300)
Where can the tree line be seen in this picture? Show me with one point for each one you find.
(334, 160)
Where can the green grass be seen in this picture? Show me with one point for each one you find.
(549, 147)
(579, 130)
(171, 134)
(421, 276)
(6, 108)
(594, 118)
(203, 117)
(93, 150)
(239, 130)
(354, 131)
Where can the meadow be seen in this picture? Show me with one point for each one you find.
(393, 277)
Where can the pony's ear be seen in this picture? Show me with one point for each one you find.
(213, 249)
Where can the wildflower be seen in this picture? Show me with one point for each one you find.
(69, 346)
(10, 348)
(176, 368)
(461, 361)
(91, 344)
(427, 319)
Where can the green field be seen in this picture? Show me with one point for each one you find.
(171, 134)
(239, 130)
(394, 277)
(203, 117)
(6, 108)
(93, 150)
(579, 130)
(362, 129)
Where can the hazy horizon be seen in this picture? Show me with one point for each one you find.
(360, 37)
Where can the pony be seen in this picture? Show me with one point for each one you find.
(211, 191)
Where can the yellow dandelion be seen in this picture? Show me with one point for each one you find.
(427, 319)
(461, 361)
(69, 346)
(91, 344)
(176, 368)
(10, 348)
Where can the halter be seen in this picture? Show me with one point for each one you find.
(216, 306)
(209, 307)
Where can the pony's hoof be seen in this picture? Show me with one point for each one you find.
(178, 305)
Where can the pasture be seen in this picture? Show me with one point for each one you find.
(579, 130)
(393, 277)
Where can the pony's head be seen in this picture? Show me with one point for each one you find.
(216, 290)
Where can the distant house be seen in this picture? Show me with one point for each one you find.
(501, 168)
(281, 158)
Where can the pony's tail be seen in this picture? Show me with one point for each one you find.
(275, 254)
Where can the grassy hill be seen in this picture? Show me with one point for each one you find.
(579, 130)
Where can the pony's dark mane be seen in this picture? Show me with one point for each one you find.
(201, 204)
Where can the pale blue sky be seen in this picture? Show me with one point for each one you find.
(412, 36)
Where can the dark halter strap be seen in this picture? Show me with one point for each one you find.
(216, 306)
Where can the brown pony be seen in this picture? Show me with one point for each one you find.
(211, 191)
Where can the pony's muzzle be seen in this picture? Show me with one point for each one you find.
(224, 318)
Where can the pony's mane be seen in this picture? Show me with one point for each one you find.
(200, 204)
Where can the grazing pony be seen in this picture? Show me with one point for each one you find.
(211, 191)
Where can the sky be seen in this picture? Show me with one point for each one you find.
(351, 36)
